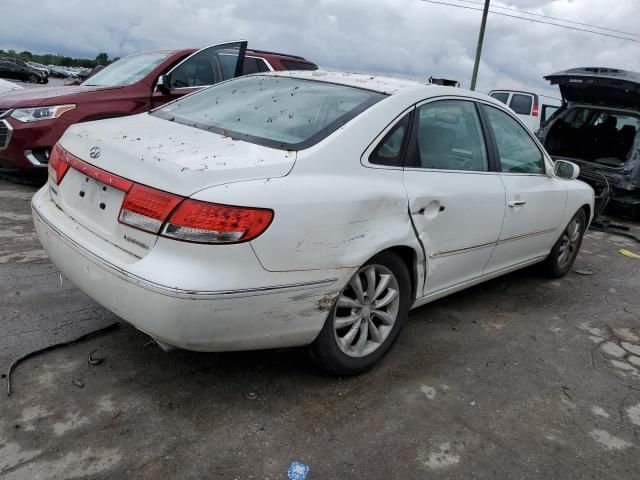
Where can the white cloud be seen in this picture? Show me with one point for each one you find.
(401, 37)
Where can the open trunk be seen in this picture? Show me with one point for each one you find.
(599, 135)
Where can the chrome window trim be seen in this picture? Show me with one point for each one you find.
(446, 253)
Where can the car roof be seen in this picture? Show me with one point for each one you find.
(378, 83)
(286, 56)
(384, 84)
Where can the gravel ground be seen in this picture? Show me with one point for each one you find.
(519, 378)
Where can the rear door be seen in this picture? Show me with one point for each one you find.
(526, 106)
(456, 202)
(535, 201)
(201, 69)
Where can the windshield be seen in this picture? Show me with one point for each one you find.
(126, 71)
(280, 112)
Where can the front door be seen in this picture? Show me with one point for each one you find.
(535, 201)
(456, 202)
(201, 69)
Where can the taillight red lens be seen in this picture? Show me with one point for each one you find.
(184, 219)
(147, 208)
(58, 163)
(535, 110)
(203, 222)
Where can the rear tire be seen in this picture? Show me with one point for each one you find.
(366, 318)
(564, 252)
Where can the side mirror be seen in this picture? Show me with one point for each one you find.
(162, 85)
(566, 170)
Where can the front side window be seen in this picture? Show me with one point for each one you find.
(280, 112)
(127, 70)
(521, 103)
(209, 66)
(517, 150)
(448, 136)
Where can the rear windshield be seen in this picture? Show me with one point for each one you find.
(127, 70)
(279, 112)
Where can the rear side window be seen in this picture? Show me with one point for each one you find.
(448, 136)
(518, 152)
(254, 65)
(521, 103)
(547, 111)
(501, 96)
(293, 65)
(389, 150)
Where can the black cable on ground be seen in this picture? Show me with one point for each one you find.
(15, 363)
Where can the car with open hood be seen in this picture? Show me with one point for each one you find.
(598, 128)
(32, 121)
(303, 208)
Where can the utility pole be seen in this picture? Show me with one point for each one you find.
(485, 12)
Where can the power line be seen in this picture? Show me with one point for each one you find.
(553, 18)
(535, 21)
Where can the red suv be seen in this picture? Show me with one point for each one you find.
(32, 120)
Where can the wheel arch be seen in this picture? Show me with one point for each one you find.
(409, 257)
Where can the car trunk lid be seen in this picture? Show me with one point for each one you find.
(150, 151)
(598, 86)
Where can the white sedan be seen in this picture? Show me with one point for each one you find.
(303, 208)
(7, 86)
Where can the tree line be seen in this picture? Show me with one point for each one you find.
(53, 59)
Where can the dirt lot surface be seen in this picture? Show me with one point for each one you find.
(519, 378)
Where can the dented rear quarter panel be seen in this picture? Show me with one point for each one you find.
(330, 211)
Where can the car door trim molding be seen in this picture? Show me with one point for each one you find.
(526, 235)
(447, 253)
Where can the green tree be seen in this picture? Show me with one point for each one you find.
(102, 59)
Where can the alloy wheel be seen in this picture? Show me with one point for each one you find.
(366, 310)
(569, 243)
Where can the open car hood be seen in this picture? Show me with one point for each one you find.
(598, 86)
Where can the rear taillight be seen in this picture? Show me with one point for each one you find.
(147, 208)
(535, 110)
(58, 163)
(166, 214)
(202, 222)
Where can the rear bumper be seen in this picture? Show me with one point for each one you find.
(272, 310)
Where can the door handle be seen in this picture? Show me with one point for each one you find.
(516, 203)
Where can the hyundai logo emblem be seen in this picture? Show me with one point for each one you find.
(94, 152)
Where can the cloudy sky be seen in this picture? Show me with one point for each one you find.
(400, 37)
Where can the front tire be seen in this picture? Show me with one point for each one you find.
(32, 78)
(366, 318)
(564, 252)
